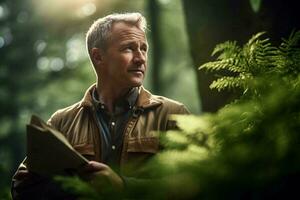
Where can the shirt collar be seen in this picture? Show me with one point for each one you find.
(144, 100)
(122, 105)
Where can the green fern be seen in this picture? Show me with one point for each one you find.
(249, 148)
(228, 82)
(289, 57)
(255, 59)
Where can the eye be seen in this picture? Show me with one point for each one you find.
(128, 49)
(144, 48)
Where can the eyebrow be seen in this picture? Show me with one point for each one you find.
(130, 42)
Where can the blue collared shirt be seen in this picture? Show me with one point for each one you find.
(112, 125)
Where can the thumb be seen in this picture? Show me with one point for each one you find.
(94, 166)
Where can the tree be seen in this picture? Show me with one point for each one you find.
(212, 22)
(157, 46)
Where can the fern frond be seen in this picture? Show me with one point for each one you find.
(230, 64)
(254, 38)
(259, 54)
(288, 56)
(226, 50)
(228, 82)
(255, 59)
(291, 42)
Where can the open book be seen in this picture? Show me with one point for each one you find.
(48, 151)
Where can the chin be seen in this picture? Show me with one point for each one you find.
(136, 83)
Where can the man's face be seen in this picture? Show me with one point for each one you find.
(125, 58)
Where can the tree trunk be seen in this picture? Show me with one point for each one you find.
(212, 22)
(157, 47)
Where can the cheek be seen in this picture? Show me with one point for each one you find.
(121, 62)
(146, 59)
(127, 58)
(125, 61)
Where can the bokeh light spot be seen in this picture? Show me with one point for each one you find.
(40, 46)
(88, 9)
(1, 11)
(56, 64)
(2, 42)
(43, 63)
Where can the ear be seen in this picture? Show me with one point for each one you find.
(97, 56)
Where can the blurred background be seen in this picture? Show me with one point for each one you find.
(44, 65)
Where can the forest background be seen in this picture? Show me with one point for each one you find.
(44, 65)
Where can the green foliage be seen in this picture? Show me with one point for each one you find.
(249, 149)
(5, 193)
(77, 187)
(255, 59)
(83, 190)
(4, 190)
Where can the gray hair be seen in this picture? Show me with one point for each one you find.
(99, 31)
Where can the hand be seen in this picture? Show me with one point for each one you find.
(24, 178)
(98, 174)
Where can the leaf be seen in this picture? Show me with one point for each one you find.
(192, 123)
(77, 186)
(255, 5)
(254, 38)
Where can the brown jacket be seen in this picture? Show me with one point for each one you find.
(79, 124)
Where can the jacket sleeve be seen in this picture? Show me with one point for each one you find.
(54, 120)
(35, 186)
(180, 110)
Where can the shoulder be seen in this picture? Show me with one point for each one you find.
(166, 105)
(165, 108)
(60, 116)
(173, 106)
(68, 114)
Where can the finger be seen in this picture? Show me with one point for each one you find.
(94, 166)
(92, 176)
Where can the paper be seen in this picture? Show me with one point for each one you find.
(49, 152)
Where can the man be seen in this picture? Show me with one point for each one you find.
(115, 123)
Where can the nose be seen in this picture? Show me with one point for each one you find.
(140, 57)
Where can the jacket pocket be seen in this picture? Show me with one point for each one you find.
(139, 151)
(87, 150)
(143, 145)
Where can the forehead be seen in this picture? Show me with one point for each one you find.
(122, 32)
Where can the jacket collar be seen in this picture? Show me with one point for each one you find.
(145, 100)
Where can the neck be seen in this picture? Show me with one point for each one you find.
(110, 95)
